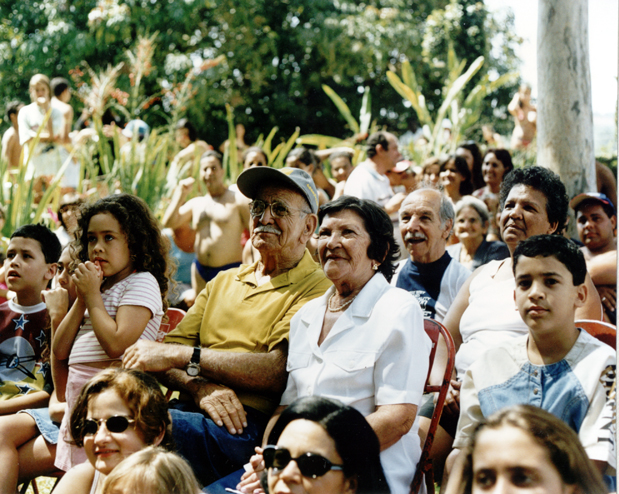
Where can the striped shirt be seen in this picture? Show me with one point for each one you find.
(139, 289)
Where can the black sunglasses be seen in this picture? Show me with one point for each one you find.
(116, 424)
(310, 465)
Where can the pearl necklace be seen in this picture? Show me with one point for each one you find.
(341, 307)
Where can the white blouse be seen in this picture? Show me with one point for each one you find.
(377, 353)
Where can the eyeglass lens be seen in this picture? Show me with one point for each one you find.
(278, 210)
(116, 424)
(310, 464)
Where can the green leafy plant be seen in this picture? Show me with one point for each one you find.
(460, 108)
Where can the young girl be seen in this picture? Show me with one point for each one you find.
(121, 296)
(152, 471)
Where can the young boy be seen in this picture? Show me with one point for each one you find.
(25, 379)
(557, 366)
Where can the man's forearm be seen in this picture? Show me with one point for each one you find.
(248, 371)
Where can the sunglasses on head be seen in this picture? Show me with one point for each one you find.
(310, 464)
(117, 424)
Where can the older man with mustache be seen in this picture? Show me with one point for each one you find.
(228, 355)
(430, 274)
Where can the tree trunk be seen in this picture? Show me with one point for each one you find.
(564, 114)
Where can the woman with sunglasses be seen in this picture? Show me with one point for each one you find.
(319, 445)
(118, 412)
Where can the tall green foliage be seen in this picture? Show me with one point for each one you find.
(278, 55)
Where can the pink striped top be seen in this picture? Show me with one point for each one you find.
(136, 289)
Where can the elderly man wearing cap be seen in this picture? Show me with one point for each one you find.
(596, 221)
(228, 355)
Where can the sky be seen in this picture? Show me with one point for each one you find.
(603, 56)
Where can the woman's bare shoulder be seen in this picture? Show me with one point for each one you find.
(78, 480)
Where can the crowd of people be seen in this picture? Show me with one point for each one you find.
(301, 362)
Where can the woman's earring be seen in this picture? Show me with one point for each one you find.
(375, 266)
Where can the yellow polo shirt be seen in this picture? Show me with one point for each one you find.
(234, 314)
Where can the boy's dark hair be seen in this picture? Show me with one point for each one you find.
(50, 245)
(557, 246)
(11, 108)
(548, 183)
(58, 85)
(148, 248)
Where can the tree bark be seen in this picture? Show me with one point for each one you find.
(564, 113)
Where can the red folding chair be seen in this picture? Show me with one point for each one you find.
(601, 330)
(434, 384)
(174, 317)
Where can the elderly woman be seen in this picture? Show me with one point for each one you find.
(335, 451)
(470, 228)
(455, 177)
(483, 315)
(344, 344)
(497, 164)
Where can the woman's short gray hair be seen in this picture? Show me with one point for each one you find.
(477, 204)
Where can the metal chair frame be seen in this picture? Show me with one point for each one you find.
(434, 330)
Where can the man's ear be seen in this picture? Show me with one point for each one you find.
(51, 271)
(448, 227)
(613, 222)
(311, 222)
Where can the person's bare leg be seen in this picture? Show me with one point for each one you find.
(15, 430)
(36, 457)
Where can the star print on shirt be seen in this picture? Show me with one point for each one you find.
(43, 369)
(41, 338)
(24, 389)
(21, 322)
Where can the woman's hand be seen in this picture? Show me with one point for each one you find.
(57, 302)
(87, 278)
(250, 481)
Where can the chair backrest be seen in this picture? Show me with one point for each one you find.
(437, 381)
(603, 331)
(174, 316)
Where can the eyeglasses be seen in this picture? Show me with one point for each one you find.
(310, 465)
(278, 209)
(116, 424)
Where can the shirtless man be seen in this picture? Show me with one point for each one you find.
(218, 219)
(525, 118)
(11, 149)
(596, 220)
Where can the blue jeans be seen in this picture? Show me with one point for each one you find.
(210, 449)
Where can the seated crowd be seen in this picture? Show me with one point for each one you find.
(301, 361)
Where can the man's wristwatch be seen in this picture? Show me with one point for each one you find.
(193, 368)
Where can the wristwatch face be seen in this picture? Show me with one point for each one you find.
(193, 369)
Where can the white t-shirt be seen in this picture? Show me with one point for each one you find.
(46, 159)
(139, 289)
(377, 353)
(366, 183)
